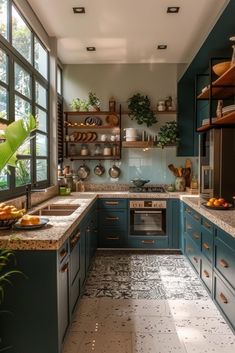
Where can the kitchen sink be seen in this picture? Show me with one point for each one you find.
(56, 210)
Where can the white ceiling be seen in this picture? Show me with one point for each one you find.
(127, 31)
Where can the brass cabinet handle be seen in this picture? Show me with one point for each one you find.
(207, 225)
(148, 241)
(195, 259)
(206, 246)
(206, 274)
(196, 217)
(112, 237)
(63, 253)
(188, 227)
(112, 218)
(223, 263)
(189, 249)
(196, 235)
(113, 203)
(223, 298)
(74, 240)
(65, 268)
(188, 210)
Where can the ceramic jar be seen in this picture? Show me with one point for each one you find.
(180, 184)
(161, 107)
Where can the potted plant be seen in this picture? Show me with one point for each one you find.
(79, 105)
(140, 110)
(93, 102)
(168, 134)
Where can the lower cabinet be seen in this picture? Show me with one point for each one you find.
(212, 254)
(39, 310)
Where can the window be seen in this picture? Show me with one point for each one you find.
(23, 90)
(60, 123)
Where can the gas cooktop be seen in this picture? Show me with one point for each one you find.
(147, 189)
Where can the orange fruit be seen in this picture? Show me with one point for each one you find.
(216, 203)
(210, 204)
(212, 199)
(221, 200)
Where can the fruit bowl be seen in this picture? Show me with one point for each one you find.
(8, 223)
(221, 68)
(9, 215)
(219, 208)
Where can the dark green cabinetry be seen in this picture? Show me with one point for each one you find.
(112, 223)
(211, 252)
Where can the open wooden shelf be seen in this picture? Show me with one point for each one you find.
(92, 127)
(143, 144)
(228, 119)
(93, 158)
(74, 112)
(227, 80)
(95, 142)
(166, 112)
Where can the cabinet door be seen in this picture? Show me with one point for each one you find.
(83, 253)
(63, 298)
(88, 233)
(75, 253)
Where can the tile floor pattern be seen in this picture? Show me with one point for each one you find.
(146, 303)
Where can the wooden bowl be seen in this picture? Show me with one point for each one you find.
(221, 68)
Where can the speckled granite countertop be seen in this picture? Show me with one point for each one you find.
(223, 219)
(53, 235)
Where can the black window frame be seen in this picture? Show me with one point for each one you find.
(15, 57)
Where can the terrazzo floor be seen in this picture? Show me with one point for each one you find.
(146, 303)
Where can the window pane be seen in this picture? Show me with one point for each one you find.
(42, 119)
(4, 179)
(22, 108)
(24, 149)
(21, 35)
(41, 145)
(59, 80)
(40, 58)
(22, 81)
(41, 95)
(3, 66)
(3, 103)
(3, 18)
(22, 172)
(41, 169)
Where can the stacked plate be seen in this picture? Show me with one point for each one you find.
(228, 109)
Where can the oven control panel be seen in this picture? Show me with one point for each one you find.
(147, 204)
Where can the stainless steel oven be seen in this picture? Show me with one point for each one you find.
(147, 217)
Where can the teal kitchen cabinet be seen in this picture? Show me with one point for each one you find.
(112, 223)
(90, 237)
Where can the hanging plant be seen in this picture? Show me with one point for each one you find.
(168, 134)
(140, 110)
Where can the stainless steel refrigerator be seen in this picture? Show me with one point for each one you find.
(217, 163)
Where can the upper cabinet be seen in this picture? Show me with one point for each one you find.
(215, 96)
(92, 135)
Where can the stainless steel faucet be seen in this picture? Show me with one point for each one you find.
(28, 194)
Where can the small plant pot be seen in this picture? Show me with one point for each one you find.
(180, 184)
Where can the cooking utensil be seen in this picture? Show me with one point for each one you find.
(99, 169)
(173, 170)
(114, 171)
(83, 171)
(139, 182)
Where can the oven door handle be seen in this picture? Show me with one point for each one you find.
(146, 211)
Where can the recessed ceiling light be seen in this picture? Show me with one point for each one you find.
(79, 9)
(162, 46)
(91, 48)
(173, 9)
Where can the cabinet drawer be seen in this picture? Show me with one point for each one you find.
(143, 243)
(111, 238)
(113, 218)
(207, 243)
(193, 230)
(112, 203)
(75, 260)
(196, 216)
(192, 252)
(207, 225)
(63, 252)
(225, 261)
(225, 298)
(206, 273)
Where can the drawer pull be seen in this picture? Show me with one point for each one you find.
(63, 253)
(195, 259)
(188, 211)
(196, 235)
(196, 217)
(223, 263)
(64, 268)
(147, 241)
(206, 246)
(207, 225)
(112, 203)
(112, 218)
(189, 249)
(206, 274)
(223, 298)
(74, 240)
(112, 238)
(188, 227)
